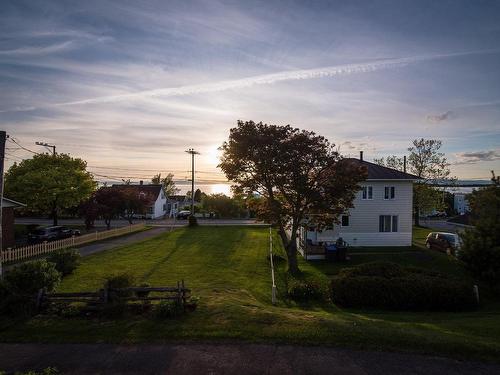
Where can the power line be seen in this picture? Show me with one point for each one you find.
(21, 146)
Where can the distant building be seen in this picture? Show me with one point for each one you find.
(461, 203)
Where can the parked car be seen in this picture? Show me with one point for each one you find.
(183, 214)
(443, 241)
(51, 234)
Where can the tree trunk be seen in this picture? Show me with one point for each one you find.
(293, 266)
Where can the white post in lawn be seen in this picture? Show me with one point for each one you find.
(273, 295)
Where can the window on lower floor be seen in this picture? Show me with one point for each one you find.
(151, 210)
(345, 220)
(388, 223)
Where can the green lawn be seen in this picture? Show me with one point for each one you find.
(228, 268)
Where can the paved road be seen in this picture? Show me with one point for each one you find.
(233, 358)
(121, 223)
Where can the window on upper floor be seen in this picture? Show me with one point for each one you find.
(367, 192)
(389, 192)
(345, 220)
(388, 223)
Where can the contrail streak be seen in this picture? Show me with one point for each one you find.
(266, 79)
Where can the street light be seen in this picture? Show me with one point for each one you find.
(44, 144)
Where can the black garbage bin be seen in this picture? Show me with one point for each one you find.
(331, 252)
(341, 253)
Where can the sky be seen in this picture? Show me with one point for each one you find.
(129, 86)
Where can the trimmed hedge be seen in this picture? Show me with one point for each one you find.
(384, 285)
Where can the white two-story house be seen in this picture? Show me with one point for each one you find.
(381, 216)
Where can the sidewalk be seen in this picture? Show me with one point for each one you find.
(227, 358)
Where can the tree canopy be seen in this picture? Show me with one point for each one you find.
(298, 172)
(167, 182)
(428, 163)
(49, 183)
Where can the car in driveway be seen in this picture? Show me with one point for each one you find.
(53, 233)
(443, 241)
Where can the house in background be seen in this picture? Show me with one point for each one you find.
(381, 216)
(176, 203)
(155, 195)
(8, 230)
(461, 203)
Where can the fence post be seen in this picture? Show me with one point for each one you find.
(39, 299)
(273, 290)
(45, 246)
(476, 293)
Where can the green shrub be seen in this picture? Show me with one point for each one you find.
(28, 278)
(143, 294)
(66, 260)
(306, 288)
(118, 281)
(168, 309)
(192, 221)
(389, 286)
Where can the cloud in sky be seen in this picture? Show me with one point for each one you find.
(439, 118)
(266, 79)
(477, 156)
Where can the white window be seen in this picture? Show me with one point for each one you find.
(389, 192)
(388, 223)
(151, 210)
(367, 192)
(345, 221)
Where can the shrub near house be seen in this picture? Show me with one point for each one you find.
(385, 285)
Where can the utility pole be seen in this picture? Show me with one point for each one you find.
(53, 147)
(193, 153)
(3, 137)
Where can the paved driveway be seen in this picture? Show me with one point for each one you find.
(232, 358)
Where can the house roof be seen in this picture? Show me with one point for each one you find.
(151, 191)
(6, 202)
(378, 172)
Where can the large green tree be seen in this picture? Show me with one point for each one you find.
(223, 206)
(297, 172)
(430, 165)
(481, 244)
(49, 183)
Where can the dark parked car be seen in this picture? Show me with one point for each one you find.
(442, 241)
(183, 214)
(52, 234)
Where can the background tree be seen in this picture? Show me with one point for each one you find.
(223, 206)
(109, 201)
(167, 182)
(430, 165)
(297, 172)
(197, 195)
(481, 244)
(89, 209)
(49, 183)
(134, 203)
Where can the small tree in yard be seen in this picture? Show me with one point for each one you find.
(297, 172)
(109, 201)
(134, 203)
(481, 244)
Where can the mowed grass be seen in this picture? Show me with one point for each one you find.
(229, 269)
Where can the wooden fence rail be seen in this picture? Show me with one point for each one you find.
(102, 297)
(25, 252)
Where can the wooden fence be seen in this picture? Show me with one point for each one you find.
(97, 299)
(25, 252)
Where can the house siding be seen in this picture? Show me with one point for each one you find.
(363, 229)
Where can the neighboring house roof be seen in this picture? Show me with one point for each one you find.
(6, 202)
(151, 191)
(378, 172)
